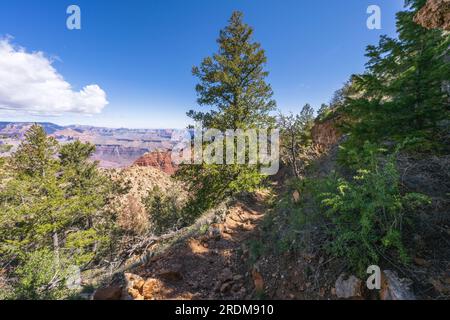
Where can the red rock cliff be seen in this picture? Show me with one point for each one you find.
(325, 134)
(434, 15)
(158, 159)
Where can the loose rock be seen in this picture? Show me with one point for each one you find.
(348, 287)
(152, 289)
(258, 281)
(394, 288)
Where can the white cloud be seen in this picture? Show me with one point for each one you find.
(30, 84)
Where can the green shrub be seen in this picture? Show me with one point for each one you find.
(41, 276)
(256, 249)
(164, 210)
(368, 213)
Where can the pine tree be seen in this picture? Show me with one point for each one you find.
(306, 116)
(36, 152)
(402, 90)
(323, 111)
(232, 83)
(53, 214)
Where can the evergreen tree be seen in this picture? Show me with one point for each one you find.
(232, 83)
(306, 116)
(52, 214)
(323, 111)
(80, 173)
(36, 152)
(401, 93)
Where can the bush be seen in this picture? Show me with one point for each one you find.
(165, 211)
(368, 213)
(41, 276)
(132, 217)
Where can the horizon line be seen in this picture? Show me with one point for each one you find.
(94, 126)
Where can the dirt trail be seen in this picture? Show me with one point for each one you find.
(209, 266)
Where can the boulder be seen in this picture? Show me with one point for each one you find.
(152, 289)
(134, 294)
(134, 286)
(394, 288)
(347, 287)
(134, 281)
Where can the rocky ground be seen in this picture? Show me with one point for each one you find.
(238, 258)
(213, 264)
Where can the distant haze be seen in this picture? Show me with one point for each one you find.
(115, 147)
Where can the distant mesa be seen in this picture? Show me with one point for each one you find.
(161, 160)
(115, 147)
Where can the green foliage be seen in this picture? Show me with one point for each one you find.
(399, 103)
(401, 94)
(41, 277)
(324, 112)
(52, 213)
(256, 249)
(232, 83)
(232, 80)
(212, 183)
(203, 229)
(165, 211)
(297, 218)
(35, 154)
(368, 213)
(2, 166)
(5, 148)
(295, 136)
(363, 219)
(355, 158)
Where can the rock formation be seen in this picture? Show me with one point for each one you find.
(435, 15)
(159, 159)
(325, 134)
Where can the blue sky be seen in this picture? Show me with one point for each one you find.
(141, 52)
